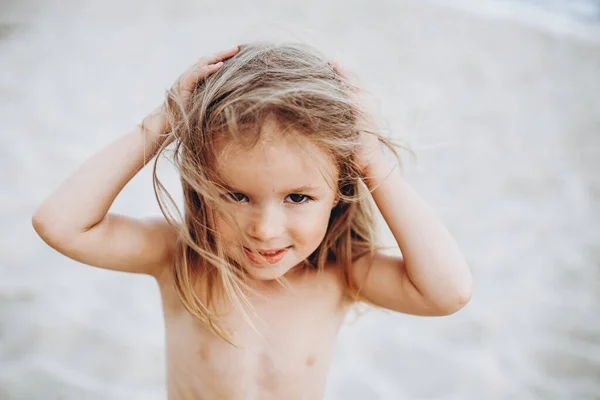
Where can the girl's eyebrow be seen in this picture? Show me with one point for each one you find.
(298, 189)
(303, 188)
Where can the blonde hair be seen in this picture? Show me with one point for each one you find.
(299, 88)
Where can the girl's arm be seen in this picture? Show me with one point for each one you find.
(75, 221)
(432, 277)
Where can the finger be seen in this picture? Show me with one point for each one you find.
(346, 74)
(202, 67)
(350, 77)
(198, 66)
(222, 55)
(189, 80)
(341, 71)
(337, 67)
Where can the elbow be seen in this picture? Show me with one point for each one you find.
(40, 226)
(457, 298)
(37, 221)
(462, 298)
(49, 231)
(40, 218)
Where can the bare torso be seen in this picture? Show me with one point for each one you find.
(299, 326)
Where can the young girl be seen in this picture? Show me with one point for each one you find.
(279, 159)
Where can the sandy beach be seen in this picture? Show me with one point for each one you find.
(503, 111)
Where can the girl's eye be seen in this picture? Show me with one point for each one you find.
(298, 198)
(237, 197)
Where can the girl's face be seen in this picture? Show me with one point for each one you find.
(279, 198)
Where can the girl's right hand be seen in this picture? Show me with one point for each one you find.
(156, 122)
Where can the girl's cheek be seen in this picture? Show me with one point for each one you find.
(312, 225)
(225, 229)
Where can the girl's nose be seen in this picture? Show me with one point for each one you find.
(267, 224)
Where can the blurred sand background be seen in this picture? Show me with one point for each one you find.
(500, 99)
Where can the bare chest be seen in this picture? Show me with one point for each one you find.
(285, 355)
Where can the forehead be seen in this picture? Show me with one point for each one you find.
(279, 160)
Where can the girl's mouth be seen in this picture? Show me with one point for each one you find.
(272, 256)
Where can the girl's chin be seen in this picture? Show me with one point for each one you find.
(264, 275)
(265, 272)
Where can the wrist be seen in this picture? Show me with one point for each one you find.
(376, 172)
(154, 125)
(152, 132)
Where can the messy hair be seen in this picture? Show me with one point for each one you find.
(298, 88)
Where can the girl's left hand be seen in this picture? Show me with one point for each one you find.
(370, 152)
